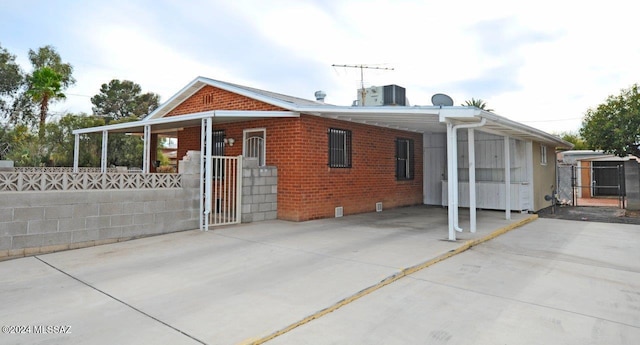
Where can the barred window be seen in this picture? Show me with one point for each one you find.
(404, 159)
(339, 148)
(218, 150)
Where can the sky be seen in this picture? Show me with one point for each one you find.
(542, 63)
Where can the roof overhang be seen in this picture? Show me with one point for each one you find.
(174, 122)
(432, 119)
(421, 119)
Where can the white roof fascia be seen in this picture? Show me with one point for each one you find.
(456, 113)
(133, 124)
(256, 113)
(541, 135)
(182, 118)
(331, 109)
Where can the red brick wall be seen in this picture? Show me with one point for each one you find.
(212, 98)
(307, 187)
(371, 178)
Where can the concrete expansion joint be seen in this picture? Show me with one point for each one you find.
(117, 299)
(390, 279)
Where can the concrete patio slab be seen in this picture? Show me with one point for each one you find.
(549, 282)
(226, 286)
(41, 305)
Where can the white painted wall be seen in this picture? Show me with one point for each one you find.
(435, 167)
(489, 170)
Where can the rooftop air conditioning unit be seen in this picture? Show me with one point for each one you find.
(371, 96)
(394, 95)
(382, 95)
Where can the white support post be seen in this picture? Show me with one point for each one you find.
(456, 195)
(208, 178)
(103, 159)
(450, 177)
(472, 180)
(507, 178)
(146, 151)
(239, 176)
(203, 125)
(76, 152)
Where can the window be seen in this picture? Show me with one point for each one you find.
(543, 155)
(254, 147)
(404, 159)
(218, 150)
(218, 143)
(339, 148)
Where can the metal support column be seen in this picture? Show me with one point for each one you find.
(208, 176)
(472, 180)
(450, 177)
(103, 159)
(76, 152)
(507, 178)
(146, 151)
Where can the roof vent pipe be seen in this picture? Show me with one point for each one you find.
(320, 95)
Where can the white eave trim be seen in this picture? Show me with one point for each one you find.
(541, 135)
(189, 117)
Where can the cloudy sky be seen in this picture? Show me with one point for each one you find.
(543, 63)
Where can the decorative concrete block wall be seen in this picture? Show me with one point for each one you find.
(259, 192)
(46, 221)
(632, 184)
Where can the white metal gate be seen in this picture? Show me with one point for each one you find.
(222, 205)
(220, 185)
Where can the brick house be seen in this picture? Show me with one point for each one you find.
(355, 157)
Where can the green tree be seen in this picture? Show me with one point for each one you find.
(60, 141)
(122, 99)
(24, 149)
(47, 56)
(44, 87)
(575, 139)
(478, 103)
(614, 126)
(11, 81)
(125, 150)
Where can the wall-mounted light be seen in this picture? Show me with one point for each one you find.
(229, 141)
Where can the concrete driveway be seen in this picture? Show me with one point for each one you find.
(550, 281)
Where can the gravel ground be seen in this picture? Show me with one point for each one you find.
(592, 214)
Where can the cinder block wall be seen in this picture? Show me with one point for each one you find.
(42, 222)
(259, 192)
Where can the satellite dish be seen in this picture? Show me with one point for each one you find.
(440, 99)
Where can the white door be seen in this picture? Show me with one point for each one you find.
(254, 145)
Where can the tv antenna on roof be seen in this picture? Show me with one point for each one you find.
(362, 68)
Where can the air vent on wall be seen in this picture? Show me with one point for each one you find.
(207, 99)
(339, 211)
(378, 207)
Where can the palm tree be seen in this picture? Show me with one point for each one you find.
(45, 86)
(478, 103)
